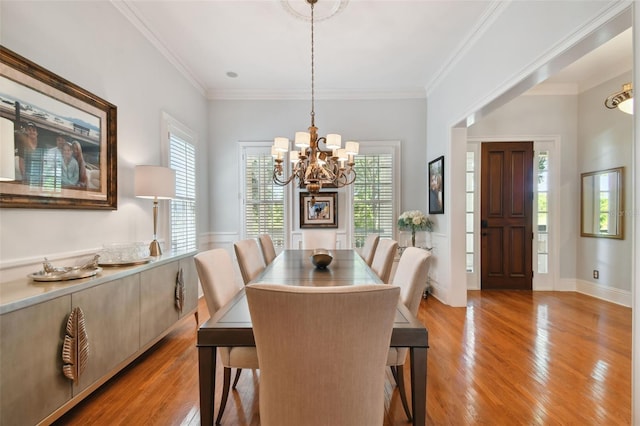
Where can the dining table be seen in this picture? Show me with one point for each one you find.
(231, 325)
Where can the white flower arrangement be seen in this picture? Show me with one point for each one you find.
(415, 220)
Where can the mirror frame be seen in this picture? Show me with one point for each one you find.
(620, 202)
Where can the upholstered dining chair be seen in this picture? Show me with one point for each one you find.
(383, 258)
(369, 248)
(319, 239)
(268, 250)
(318, 326)
(411, 277)
(250, 258)
(217, 278)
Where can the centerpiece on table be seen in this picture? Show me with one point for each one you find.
(414, 220)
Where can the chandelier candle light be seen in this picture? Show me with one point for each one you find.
(414, 220)
(311, 165)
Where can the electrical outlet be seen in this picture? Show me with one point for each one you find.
(596, 274)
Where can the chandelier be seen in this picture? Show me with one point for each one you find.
(622, 100)
(313, 166)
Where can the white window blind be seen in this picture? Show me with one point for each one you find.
(182, 158)
(263, 200)
(373, 201)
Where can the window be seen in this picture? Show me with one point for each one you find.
(374, 204)
(542, 197)
(182, 159)
(263, 206)
(470, 209)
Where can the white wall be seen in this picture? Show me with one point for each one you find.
(522, 38)
(553, 116)
(606, 141)
(92, 45)
(233, 121)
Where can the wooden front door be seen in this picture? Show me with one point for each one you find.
(506, 215)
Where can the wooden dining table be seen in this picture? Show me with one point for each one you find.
(231, 324)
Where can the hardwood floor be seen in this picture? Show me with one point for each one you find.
(509, 358)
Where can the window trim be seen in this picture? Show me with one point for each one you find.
(378, 147)
(243, 146)
(169, 125)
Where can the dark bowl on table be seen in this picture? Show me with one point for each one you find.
(321, 258)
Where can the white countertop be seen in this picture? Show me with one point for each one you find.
(24, 292)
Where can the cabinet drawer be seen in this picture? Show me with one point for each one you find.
(33, 385)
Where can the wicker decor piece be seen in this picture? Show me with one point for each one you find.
(75, 349)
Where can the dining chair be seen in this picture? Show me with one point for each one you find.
(250, 258)
(411, 277)
(383, 258)
(369, 248)
(319, 239)
(217, 278)
(337, 339)
(268, 250)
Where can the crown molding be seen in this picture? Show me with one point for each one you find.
(129, 10)
(492, 13)
(260, 94)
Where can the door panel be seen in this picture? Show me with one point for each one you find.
(506, 215)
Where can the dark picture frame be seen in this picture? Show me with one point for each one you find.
(436, 186)
(319, 211)
(49, 116)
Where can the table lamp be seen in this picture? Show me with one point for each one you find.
(159, 183)
(7, 146)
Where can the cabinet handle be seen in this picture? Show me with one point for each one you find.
(179, 296)
(75, 349)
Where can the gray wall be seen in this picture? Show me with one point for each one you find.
(92, 45)
(606, 141)
(233, 121)
(545, 115)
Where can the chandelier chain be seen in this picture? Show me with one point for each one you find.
(313, 113)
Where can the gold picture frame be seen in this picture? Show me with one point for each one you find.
(51, 115)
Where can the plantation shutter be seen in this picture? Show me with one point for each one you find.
(264, 201)
(182, 158)
(373, 203)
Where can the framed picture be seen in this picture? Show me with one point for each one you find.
(436, 186)
(319, 211)
(63, 138)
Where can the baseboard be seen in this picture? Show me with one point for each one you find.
(610, 294)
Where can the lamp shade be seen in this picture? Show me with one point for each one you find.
(7, 148)
(155, 182)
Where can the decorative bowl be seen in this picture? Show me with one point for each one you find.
(321, 258)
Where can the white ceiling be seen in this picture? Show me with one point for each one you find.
(368, 48)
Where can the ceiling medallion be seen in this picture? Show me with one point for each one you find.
(327, 9)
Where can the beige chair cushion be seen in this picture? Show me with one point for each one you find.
(369, 248)
(250, 259)
(239, 357)
(217, 278)
(336, 340)
(319, 240)
(268, 250)
(411, 277)
(383, 258)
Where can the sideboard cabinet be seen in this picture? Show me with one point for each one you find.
(125, 310)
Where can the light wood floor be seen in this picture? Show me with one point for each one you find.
(509, 358)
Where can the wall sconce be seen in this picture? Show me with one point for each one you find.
(622, 100)
(158, 183)
(7, 150)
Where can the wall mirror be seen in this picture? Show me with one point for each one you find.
(601, 204)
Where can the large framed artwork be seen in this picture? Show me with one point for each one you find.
(319, 211)
(64, 140)
(436, 186)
